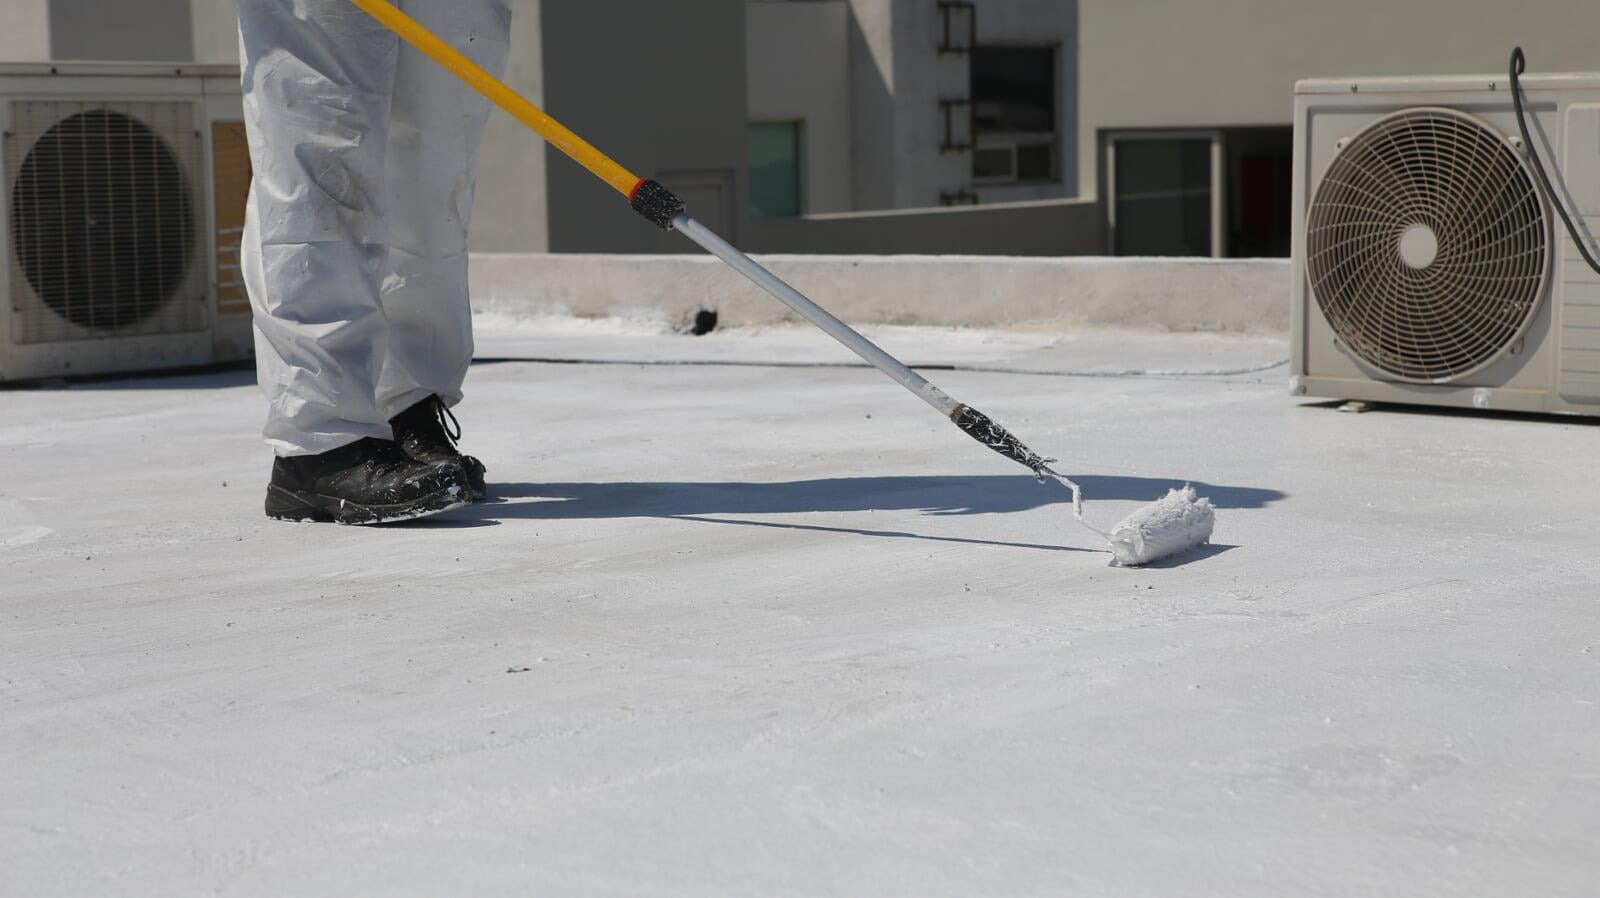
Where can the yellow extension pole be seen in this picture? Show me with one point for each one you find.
(599, 164)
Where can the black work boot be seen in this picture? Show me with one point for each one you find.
(428, 433)
(369, 481)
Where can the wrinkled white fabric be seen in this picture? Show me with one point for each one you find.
(355, 243)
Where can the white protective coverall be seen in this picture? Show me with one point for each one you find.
(355, 240)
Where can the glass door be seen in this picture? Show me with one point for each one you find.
(1165, 196)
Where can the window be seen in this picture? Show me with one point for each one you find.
(1223, 192)
(991, 163)
(1014, 99)
(775, 170)
(1163, 201)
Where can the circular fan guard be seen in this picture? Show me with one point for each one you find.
(1427, 245)
(102, 220)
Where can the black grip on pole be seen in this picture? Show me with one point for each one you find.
(657, 204)
(980, 427)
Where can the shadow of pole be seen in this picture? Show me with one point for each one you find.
(933, 495)
(712, 503)
(887, 534)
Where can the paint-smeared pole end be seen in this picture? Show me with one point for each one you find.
(657, 204)
(982, 428)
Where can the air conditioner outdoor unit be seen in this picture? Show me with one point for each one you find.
(1429, 265)
(124, 188)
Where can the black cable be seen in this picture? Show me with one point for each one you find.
(1519, 63)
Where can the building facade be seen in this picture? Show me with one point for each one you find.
(1141, 127)
(900, 104)
(1185, 137)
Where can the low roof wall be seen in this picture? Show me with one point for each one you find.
(958, 291)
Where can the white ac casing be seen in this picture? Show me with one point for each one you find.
(1553, 365)
(189, 125)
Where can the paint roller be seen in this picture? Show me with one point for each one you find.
(1177, 523)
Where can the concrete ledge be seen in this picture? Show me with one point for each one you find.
(1243, 296)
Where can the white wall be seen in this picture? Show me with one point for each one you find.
(798, 62)
(1177, 63)
(216, 31)
(512, 196)
(24, 30)
(923, 77)
(143, 31)
(658, 86)
(872, 108)
(898, 78)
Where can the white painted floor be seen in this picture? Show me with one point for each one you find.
(744, 630)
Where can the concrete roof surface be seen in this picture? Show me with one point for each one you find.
(779, 630)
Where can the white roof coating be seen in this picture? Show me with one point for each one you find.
(757, 630)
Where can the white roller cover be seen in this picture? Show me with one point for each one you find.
(1177, 523)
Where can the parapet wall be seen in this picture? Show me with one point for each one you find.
(1242, 296)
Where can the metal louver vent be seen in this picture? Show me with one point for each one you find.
(103, 222)
(1427, 245)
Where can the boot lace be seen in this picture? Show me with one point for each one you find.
(447, 421)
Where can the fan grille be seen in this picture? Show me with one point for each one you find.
(1427, 245)
(103, 220)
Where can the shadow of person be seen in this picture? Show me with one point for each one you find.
(932, 495)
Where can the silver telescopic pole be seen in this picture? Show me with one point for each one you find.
(816, 314)
(971, 421)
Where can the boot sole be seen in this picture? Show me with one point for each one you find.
(292, 505)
